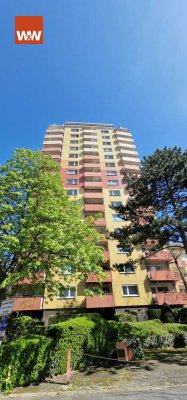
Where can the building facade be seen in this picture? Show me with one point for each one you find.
(93, 158)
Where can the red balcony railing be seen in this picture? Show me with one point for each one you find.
(93, 184)
(100, 222)
(160, 256)
(92, 278)
(28, 303)
(94, 207)
(106, 301)
(92, 195)
(163, 276)
(171, 298)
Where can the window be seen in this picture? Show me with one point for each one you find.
(114, 193)
(72, 181)
(104, 131)
(68, 270)
(67, 293)
(106, 143)
(72, 172)
(105, 137)
(108, 157)
(116, 203)
(107, 150)
(109, 164)
(71, 155)
(116, 217)
(75, 136)
(73, 148)
(113, 183)
(127, 268)
(123, 249)
(74, 130)
(73, 163)
(74, 141)
(111, 173)
(130, 290)
(72, 192)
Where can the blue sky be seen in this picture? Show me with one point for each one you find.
(112, 61)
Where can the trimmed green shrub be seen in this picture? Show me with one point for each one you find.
(23, 326)
(93, 335)
(154, 313)
(126, 317)
(23, 361)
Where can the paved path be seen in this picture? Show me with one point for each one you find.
(166, 394)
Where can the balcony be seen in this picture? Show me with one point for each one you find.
(163, 276)
(160, 256)
(132, 167)
(92, 174)
(106, 254)
(93, 195)
(106, 301)
(94, 207)
(28, 303)
(90, 185)
(92, 165)
(171, 298)
(92, 278)
(100, 222)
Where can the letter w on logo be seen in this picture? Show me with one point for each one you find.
(28, 35)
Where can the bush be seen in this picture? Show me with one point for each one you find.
(126, 317)
(167, 314)
(183, 315)
(154, 313)
(180, 340)
(141, 329)
(23, 361)
(91, 335)
(23, 326)
(158, 341)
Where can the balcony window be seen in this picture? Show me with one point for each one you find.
(106, 143)
(116, 203)
(158, 289)
(75, 136)
(73, 163)
(109, 157)
(72, 172)
(117, 218)
(73, 155)
(127, 268)
(123, 249)
(107, 150)
(111, 173)
(113, 183)
(104, 131)
(110, 164)
(114, 193)
(105, 137)
(67, 270)
(74, 141)
(73, 148)
(67, 293)
(72, 192)
(72, 181)
(130, 290)
(74, 130)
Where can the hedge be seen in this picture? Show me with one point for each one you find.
(24, 326)
(24, 361)
(91, 335)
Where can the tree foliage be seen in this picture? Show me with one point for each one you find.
(41, 231)
(157, 204)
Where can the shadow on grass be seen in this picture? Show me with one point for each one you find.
(173, 356)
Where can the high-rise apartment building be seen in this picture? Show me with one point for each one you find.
(93, 158)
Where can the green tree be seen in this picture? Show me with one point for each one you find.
(41, 231)
(157, 205)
